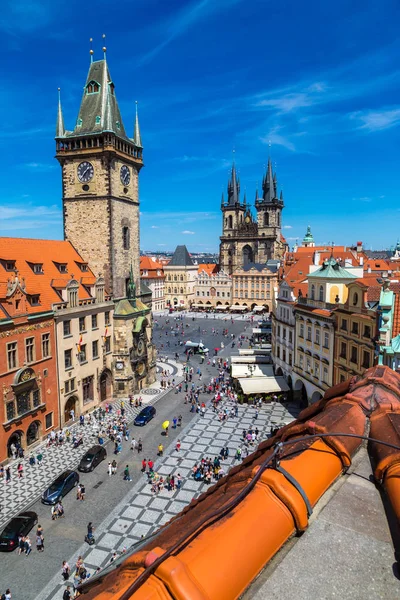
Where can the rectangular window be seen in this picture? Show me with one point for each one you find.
(23, 403)
(290, 336)
(343, 350)
(279, 331)
(284, 355)
(95, 349)
(82, 324)
(10, 411)
(284, 333)
(94, 321)
(82, 354)
(67, 328)
(30, 350)
(87, 389)
(326, 340)
(69, 385)
(344, 325)
(317, 341)
(366, 360)
(278, 351)
(325, 375)
(354, 328)
(121, 386)
(308, 365)
(49, 420)
(353, 356)
(301, 334)
(367, 331)
(290, 360)
(107, 317)
(309, 334)
(108, 344)
(45, 345)
(36, 398)
(12, 358)
(301, 361)
(68, 359)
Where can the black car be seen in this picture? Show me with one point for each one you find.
(20, 525)
(145, 416)
(92, 458)
(60, 487)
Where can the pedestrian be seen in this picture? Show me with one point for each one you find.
(8, 474)
(20, 470)
(83, 492)
(39, 542)
(39, 532)
(109, 469)
(175, 421)
(144, 465)
(66, 571)
(150, 464)
(78, 492)
(32, 460)
(256, 414)
(1, 472)
(13, 450)
(28, 545)
(179, 481)
(140, 446)
(238, 454)
(7, 595)
(21, 544)
(72, 414)
(114, 466)
(178, 445)
(67, 593)
(133, 443)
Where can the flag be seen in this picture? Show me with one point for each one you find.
(79, 344)
(105, 335)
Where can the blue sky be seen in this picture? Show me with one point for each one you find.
(320, 80)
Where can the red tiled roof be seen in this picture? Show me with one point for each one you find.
(209, 268)
(49, 253)
(152, 267)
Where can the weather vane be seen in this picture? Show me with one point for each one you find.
(104, 47)
(91, 49)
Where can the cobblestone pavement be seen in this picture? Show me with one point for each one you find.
(19, 494)
(141, 512)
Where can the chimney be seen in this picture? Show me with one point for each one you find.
(317, 257)
(361, 261)
(369, 269)
(359, 246)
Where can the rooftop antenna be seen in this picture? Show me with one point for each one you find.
(91, 50)
(104, 47)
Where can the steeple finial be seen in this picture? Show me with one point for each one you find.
(91, 50)
(104, 47)
(137, 138)
(269, 184)
(60, 129)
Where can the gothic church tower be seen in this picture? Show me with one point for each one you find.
(100, 182)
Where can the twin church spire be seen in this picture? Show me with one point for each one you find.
(269, 188)
(99, 111)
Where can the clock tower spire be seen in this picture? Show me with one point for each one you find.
(100, 182)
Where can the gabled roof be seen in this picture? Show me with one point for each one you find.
(181, 258)
(49, 253)
(209, 268)
(331, 269)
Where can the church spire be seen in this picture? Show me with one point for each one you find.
(136, 134)
(233, 187)
(60, 129)
(108, 120)
(269, 184)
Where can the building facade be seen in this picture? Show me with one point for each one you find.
(152, 274)
(284, 332)
(100, 188)
(212, 289)
(246, 239)
(180, 279)
(254, 285)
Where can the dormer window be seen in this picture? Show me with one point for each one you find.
(38, 268)
(118, 124)
(112, 87)
(93, 87)
(62, 267)
(79, 123)
(34, 300)
(98, 120)
(10, 265)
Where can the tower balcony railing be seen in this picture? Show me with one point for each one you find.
(100, 142)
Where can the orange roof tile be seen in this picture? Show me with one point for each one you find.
(209, 268)
(152, 267)
(49, 253)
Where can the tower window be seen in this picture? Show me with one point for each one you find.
(266, 219)
(230, 222)
(125, 238)
(93, 87)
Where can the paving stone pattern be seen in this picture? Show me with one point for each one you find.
(19, 494)
(142, 512)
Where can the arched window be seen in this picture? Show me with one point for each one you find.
(230, 222)
(181, 290)
(266, 219)
(175, 290)
(181, 278)
(175, 278)
(247, 255)
(321, 293)
(355, 299)
(125, 238)
(93, 87)
(313, 292)
(169, 290)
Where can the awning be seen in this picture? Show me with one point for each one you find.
(138, 324)
(263, 385)
(250, 360)
(255, 370)
(199, 305)
(258, 308)
(264, 351)
(222, 307)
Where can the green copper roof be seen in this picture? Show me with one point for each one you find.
(60, 129)
(331, 270)
(99, 101)
(308, 238)
(137, 138)
(396, 344)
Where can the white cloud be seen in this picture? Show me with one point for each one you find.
(287, 227)
(154, 227)
(187, 232)
(39, 167)
(376, 120)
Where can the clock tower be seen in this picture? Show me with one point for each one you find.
(100, 182)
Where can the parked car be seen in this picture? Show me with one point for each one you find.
(92, 458)
(20, 525)
(60, 487)
(145, 416)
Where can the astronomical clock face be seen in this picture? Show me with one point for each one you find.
(125, 175)
(85, 171)
(140, 347)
